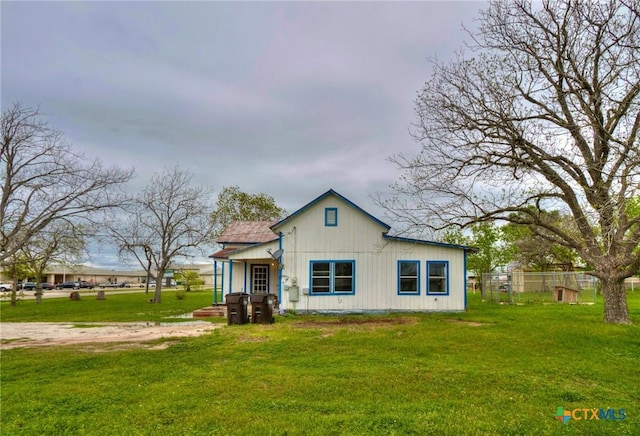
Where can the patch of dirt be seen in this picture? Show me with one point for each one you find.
(114, 335)
(469, 323)
(348, 322)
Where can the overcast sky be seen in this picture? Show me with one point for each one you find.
(288, 99)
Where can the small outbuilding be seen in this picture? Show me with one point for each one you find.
(563, 294)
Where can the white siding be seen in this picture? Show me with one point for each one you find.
(355, 232)
(376, 280)
(357, 237)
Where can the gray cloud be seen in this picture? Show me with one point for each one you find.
(285, 98)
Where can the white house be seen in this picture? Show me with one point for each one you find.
(332, 256)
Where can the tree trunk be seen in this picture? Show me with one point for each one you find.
(157, 297)
(615, 301)
(158, 293)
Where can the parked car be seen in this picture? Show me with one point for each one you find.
(152, 284)
(114, 285)
(75, 285)
(31, 286)
(66, 285)
(5, 287)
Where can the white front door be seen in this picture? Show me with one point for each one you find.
(259, 279)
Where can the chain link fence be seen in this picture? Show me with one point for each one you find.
(519, 287)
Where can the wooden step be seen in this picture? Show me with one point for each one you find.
(218, 310)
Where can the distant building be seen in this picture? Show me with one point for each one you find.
(76, 273)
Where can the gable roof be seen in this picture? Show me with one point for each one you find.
(322, 197)
(247, 232)
(253, 233)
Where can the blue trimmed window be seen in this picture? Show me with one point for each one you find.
(331, 216)
(408, 277)
(438, 277)
(331, 277)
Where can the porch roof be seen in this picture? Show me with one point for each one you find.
(248, 232)
(222, 254)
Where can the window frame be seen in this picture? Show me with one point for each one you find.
(332, 277)
(330, 222)
(445, 263)
(417, 263)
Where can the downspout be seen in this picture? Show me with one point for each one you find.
(464, 280)
(230, 275)
(280, 269)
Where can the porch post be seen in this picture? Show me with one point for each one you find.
(245, 277)
(230, 276)
(215, 282)
(222, 284)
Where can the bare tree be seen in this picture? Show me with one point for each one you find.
(171, 219)
(52, 245)
(45, 181)
(134, 240)
(543, 116)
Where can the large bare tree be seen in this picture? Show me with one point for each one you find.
(45, 181)
(170, 219)
(543, 114)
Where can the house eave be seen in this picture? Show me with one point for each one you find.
(427, 242)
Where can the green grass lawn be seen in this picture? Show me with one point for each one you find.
(115, 308)
(496, 369)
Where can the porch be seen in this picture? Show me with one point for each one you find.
(250, 275)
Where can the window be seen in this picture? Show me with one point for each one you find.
(320, 277)
(331, 217)
(437, 277)
(259, 279)
(408, 277)
(332, 277)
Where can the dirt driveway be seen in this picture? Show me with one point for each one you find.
(129, 335)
